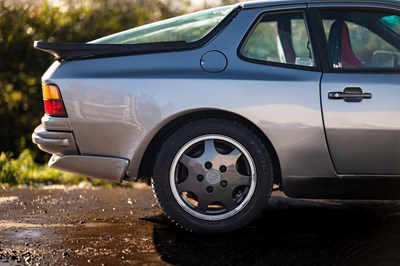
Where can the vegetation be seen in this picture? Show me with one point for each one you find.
(25, 171)
(21, 67)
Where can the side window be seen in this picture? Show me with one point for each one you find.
(362, 39)
(280, 38)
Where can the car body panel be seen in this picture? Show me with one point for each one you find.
(144, 108)
(56, 123)
(117, 105)
(363, 137)
(107, 168)
(360, 3)
(320, 3)
(54, 142)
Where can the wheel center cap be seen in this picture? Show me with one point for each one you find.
(213, 177)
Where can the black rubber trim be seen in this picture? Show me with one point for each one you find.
(348, 187)
(318, 39)
(75, 51)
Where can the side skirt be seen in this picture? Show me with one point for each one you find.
(345, 187)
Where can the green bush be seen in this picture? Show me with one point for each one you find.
(7, 170)
(24, 171)
(21, 67)
(24, 21)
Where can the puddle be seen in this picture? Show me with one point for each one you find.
(5, 200)
(4, 224)
(125, 227)
(8, 263)
(28, 234)
(94, 225)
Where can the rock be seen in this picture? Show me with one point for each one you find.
(85, 185)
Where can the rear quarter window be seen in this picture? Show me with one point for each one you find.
(280, 38)
(187, 28)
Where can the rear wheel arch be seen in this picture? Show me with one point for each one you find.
(148, 158)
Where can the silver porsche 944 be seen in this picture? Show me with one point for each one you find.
(220, 107)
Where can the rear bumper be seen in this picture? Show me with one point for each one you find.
(108, 168)
(54, 142)
(55, 136)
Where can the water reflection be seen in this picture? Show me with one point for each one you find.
(292, 233)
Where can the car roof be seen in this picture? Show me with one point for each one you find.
(265, 3)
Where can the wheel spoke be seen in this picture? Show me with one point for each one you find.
(188, 161)
(235, 179)
(224, 196)
(209, 149)
(190, 184)
(202, 204)
(233, 156)
(229, 203)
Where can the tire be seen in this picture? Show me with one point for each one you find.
(212, 176)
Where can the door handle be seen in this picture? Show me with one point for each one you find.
(349, 94)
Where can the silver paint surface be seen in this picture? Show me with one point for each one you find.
(213, 62)
(54, 142)
(117, 105)
(364, 137)
(112, 169)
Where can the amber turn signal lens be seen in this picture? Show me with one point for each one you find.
(51, 92)
(53, 104)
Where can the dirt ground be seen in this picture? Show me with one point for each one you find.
(124, 226)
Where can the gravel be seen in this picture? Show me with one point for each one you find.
(124, 226)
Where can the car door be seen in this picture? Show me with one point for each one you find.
(360, 89)
(278, 60)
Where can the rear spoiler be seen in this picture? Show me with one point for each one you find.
(63, 51)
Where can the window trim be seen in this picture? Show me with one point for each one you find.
(327, 61)
(315, 68)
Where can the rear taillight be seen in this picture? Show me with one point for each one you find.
(53, 104)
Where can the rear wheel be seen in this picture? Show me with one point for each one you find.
(212, 175)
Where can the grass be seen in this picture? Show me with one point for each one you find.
(25, 171)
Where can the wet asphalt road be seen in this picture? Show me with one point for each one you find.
(125, 227)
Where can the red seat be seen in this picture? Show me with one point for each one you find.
(340, 47)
